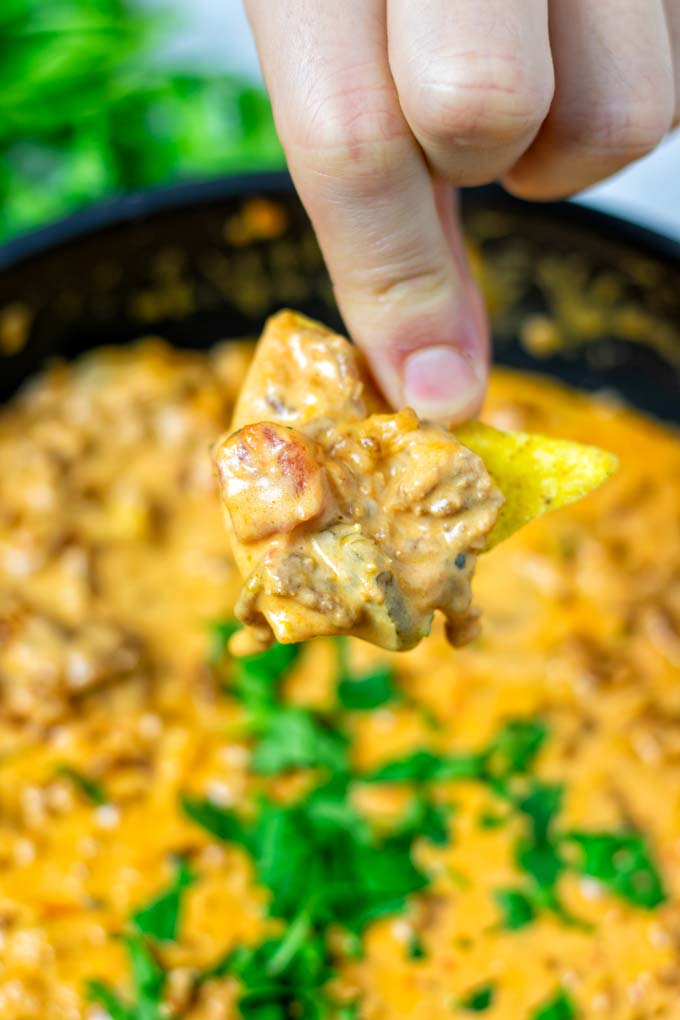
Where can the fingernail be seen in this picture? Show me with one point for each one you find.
(443, 384)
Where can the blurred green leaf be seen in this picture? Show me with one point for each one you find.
(86, 110)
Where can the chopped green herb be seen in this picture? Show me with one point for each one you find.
(386, 876)
(517, 909)
(293, 738)
(160, 917)
(622, 862)
(272, 664)
(543, 864)
(559, 1007)
(416, 949)
(100, 992)
(148, 976)
(292, 942)
(540, 805)
(254, 689)
(515, 747)
(489, 820)
(348, 1012)
(285, 858)
(425, 766)
(282, 981)
(148, 979)
(365, 691)
(368, 691)
(479, 1000)
(537, 853)
(255, 678)
(218, 821)
(511, 753)
(90, 788)
(428, 820)
(288, 737)
(320, 852)
(104, 995)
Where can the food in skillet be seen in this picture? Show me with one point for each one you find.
(328, 830)
(346, 519)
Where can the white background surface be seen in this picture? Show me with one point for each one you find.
(216, 32)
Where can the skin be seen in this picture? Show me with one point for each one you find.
(381, 105)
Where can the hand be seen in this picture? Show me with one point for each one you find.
(380, 104)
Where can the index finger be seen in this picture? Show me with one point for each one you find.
(399, 278)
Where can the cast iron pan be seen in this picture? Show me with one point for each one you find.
(572, 293)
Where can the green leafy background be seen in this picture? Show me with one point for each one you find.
(87, 110)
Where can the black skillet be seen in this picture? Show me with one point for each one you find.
(573, 293)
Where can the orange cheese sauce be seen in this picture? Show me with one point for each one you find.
(114, 562)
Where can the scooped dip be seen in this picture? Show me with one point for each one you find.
(346, 519)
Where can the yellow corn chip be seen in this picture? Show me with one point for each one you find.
(535, 473)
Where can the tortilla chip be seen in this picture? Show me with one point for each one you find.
(535, 473)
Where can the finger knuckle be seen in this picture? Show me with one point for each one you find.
(352, 135)
(625, 131)
(489, 102)
(393, 284)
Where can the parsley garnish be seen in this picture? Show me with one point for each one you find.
(282, 977)
(424, 766)
(559, 1007)
(489, 820)
(323, 865)
(294, 738)
(160, 917)
(424, 818)
(366, 691)
(517, 909)
(623, 863)
(157, 921)
(416, 949)
(620, 861)
(148, 980)
(349, 1012)
(510, 753)
(218, 821)
(479, 1000)
(270, 666)
(322, 853)
(537, 852)
(514, 749)
(90, 788)
(254, 679)
(287, 737)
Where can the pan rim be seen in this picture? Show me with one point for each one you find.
(139, 205)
